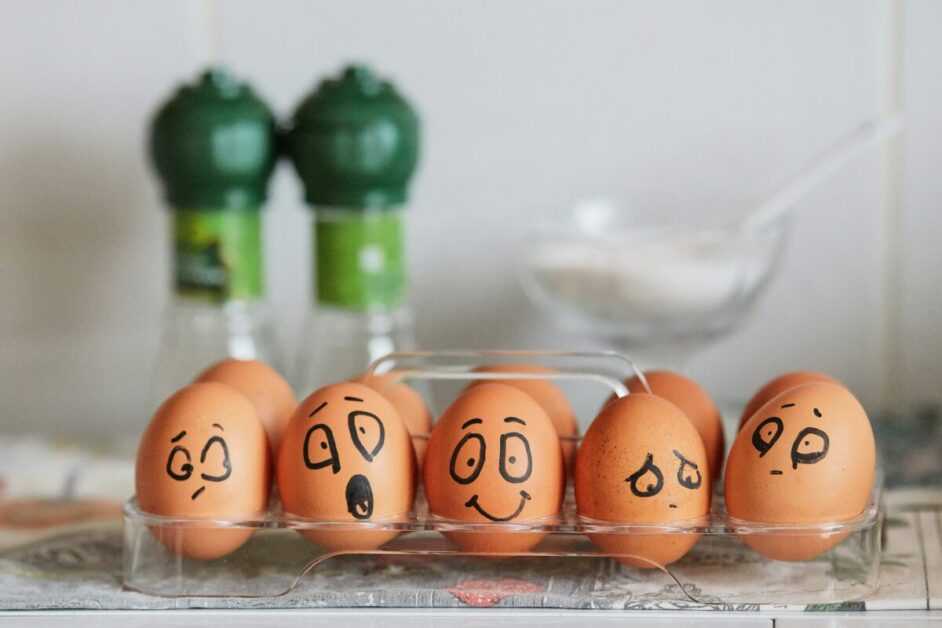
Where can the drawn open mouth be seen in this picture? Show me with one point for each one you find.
(473, 503)
(359, 495)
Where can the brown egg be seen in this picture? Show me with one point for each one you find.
(641, 461)
(204, 454)
(546, 394)
(263, 386)
(779, 385)
(494, 456)
(346, 456)
(410, 406)
(687, 395)
(805, 457)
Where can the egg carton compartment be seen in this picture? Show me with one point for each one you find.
(416, 556)
(720, 569)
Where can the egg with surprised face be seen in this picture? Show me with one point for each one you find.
(346, 456)
(806, 456)
(204, 454)
(642, 462)
(494, 457)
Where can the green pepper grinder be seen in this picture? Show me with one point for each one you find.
(213, 144)
(355, 144)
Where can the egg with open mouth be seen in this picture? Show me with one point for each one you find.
(346, 458)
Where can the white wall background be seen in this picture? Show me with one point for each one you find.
(526, 106)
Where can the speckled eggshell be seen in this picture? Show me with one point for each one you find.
(548, 395)
(696, 403)
(263, 386)
(204, 454)
(641, 461)
(805, 457)
(779, 385)
(346, 456)
(410, 406)
(494, 457)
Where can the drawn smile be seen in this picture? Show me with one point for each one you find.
(473, 503)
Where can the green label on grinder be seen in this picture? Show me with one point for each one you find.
(217, 255)
(360, 261)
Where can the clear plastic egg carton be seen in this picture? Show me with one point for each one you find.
(720, 569)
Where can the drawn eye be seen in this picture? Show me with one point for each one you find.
(516, 463)
(319, 448)
(468, 459)
(215, 459)
(367, 432)
(179, 465)
(766, 434)
(810, 447)
(646, 481)
(686, 472)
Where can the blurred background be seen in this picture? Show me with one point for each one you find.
(526, 107)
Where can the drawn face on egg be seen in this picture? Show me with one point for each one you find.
(346, 456)
(494, 455)
(514, 461)
(809, 446)
(344, 439)
(213, 464)
(648, 480)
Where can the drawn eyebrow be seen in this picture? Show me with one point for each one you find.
(817, 413)
(178, 436)
(353, 399)
(789, 405)
(471, 422)
(318, 409)
(219, 426)
(513, 419)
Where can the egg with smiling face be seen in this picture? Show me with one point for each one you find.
(346, 456)
(805, 457)
(494, 457)
(642, 462)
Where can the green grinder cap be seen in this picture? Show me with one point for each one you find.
(355, 142)
(214, 144)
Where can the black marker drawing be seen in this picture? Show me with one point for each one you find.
(810, 446)
(317, 409)
(368, 442)
(765, 435)
(473, 503)
(650, 489)
(682, 477)
(467, 459)
(226, 464)
(359, 496)
(181, 454)
(186, 469)
(325, 444)
(817, 413)
(510, 465)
